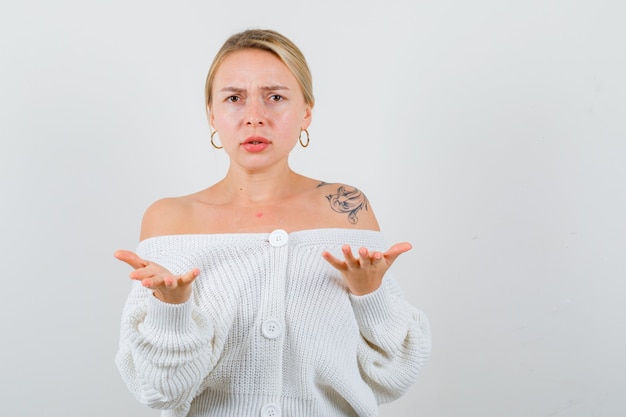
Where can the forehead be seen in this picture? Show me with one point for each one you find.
(253, 65)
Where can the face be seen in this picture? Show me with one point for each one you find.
(258, 108)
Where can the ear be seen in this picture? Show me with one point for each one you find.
(210, 117)
(308, 117)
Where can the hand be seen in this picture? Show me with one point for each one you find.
(364, 274)
(169, 288)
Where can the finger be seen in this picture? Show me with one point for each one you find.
(141, 274)
(170, 282)
(148, 271)
(189, 277)
(336, 263)
(397, 250)
(377, 257)
(174, 281)
(131, 258)
(349, 257)
(148, 283)
(364, 257)
(156, 281)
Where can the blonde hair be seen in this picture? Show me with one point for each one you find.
(266, 40)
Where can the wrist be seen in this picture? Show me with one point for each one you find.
(169, 298)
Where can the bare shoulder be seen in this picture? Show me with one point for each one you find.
(346, 206)
(165, 217)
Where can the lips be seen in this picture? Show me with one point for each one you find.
(255, 144)
(255, 140)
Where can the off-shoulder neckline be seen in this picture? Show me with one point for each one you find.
(263, 235)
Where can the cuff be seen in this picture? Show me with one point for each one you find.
(165, 317)
(374, 308)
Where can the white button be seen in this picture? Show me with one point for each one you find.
(278, 238)
(271, 328)
(270, 410)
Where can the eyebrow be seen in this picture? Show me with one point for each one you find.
(230, 89)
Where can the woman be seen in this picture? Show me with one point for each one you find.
(247, 298)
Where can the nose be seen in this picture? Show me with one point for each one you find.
(254, 114)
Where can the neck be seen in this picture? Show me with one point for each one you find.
(248, 188)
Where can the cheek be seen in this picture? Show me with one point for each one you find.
(289, 119)
(224, 119)
(289, 129)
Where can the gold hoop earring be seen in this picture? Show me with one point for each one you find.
(308, 139)
(213, 141)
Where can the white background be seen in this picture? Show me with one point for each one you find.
(490, 134)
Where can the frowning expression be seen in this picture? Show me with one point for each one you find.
(258, 107)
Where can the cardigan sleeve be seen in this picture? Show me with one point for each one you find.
(165, 351)
(395, 340)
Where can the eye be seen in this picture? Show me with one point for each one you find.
(276, 97)
(233, 99)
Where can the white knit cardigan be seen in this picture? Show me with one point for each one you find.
(270, 330)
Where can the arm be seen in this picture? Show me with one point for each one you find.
(167, 344)
(165, 351)
(395, 336)
(396, 340)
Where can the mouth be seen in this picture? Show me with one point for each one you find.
(255, 140)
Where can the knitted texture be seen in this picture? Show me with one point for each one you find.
(271, 329)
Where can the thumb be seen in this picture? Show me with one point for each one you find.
(131, 258)
(396, 250)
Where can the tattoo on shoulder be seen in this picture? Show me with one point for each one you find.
(347, 200)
